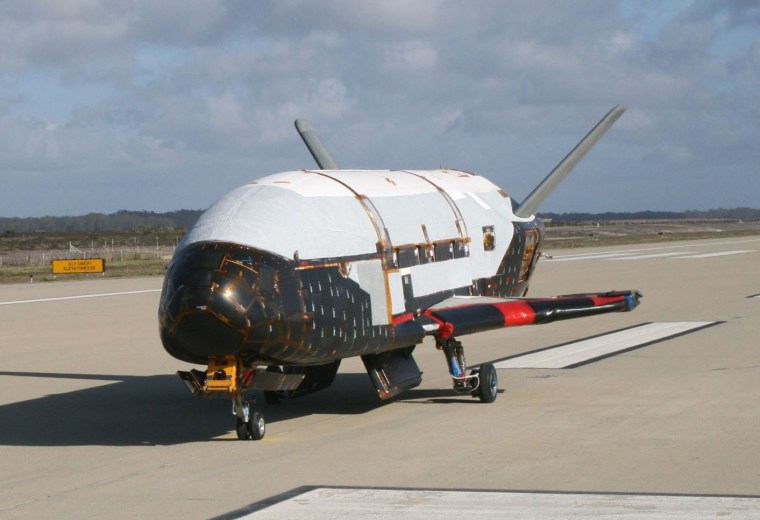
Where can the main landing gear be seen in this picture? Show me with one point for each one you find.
(481, 382)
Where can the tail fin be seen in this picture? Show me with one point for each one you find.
(531, 203)
(315, 146)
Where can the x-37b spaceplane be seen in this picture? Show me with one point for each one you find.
(282, 278)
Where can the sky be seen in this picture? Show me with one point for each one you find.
(159, 106)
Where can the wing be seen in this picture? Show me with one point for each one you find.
(465, 315)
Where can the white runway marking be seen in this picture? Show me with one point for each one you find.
(724, 253)
(585, 256)
(79, 297)
(622, 252)
(591, 349)
(650, 252)
(354, 503)
(652, 255)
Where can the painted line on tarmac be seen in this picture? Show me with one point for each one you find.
(652, 255)
(581, 352)
(636, 252)
(586, 256)
(79, 297)
(724, 253)
(328, 503)
(625, 255)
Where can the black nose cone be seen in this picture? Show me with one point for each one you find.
(220, 299)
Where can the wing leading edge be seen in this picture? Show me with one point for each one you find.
(467, 315)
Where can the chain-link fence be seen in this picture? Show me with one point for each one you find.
(110, 254)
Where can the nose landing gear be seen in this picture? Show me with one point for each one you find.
(231, 377)
(226, 377)
(248, 424)
(481, 382)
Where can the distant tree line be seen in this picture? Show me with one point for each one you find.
(182, 219)
(718, 214)
(95, 222)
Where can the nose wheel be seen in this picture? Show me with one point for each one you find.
(254, 428)
(248, 424)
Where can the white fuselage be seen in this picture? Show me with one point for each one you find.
(431, 227)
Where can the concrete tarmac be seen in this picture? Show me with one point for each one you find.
(94, 422)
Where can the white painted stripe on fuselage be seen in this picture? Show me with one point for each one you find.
(480, 201)
(359, 503)
(584, 351)
(79, 297)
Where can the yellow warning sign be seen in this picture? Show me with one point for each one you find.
(89, 265)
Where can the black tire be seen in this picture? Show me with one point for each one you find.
(242, 430)
(488, 389)
(257, 427)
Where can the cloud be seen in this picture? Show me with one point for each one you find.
(168, 93)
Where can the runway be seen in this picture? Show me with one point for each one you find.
(94, 422)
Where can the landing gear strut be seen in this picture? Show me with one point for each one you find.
(227, 377)
(481, 382)
(231, 377)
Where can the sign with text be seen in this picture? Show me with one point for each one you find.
(78, 266)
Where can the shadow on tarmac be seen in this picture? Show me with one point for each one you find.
(158, 410)
(154, 410)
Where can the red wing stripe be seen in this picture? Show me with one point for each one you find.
(476, 317)
(516, 313)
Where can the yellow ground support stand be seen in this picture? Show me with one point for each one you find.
(222, 374)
